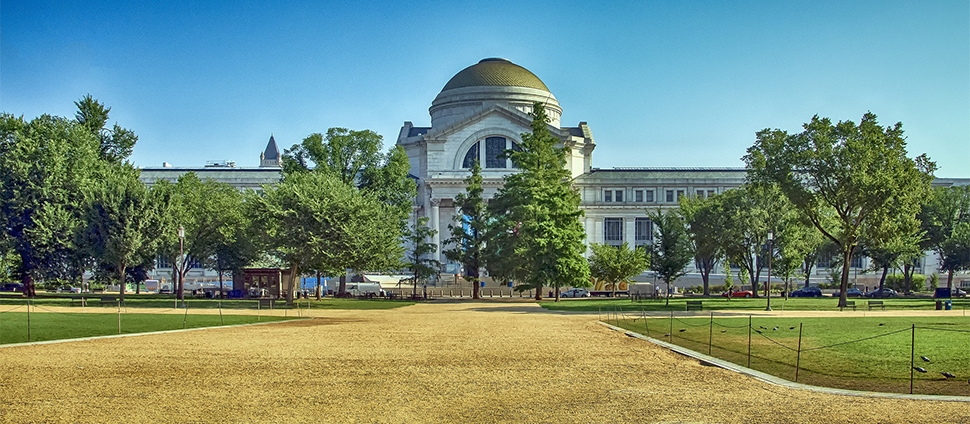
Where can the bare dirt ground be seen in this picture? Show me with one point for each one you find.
(437, 362)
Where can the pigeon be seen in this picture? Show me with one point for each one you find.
(762, 327)
(683, 330)
(724, 331)
(775, 329)
(925, 359)
(948, 375)
(791, 328)
(920, 369)
(667, 335)
(881, 324)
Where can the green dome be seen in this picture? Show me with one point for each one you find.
(495, 72)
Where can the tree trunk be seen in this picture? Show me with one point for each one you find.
(121, 282)
(667, 301)
(846, 262)
(28, 281)
(319, 286)
(291, 286)
(882, 280)
(949, 280)
(220, 284)
(808, 272)
(908, 271)
(706, 277)
(539, 292)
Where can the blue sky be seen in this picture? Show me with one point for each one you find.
(660, 83)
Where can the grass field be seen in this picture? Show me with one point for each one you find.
(58, 326)
(851, 353)
(162, 301)
(720, 303)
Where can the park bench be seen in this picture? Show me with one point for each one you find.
(849, 304)
(108, 300)
(878, 303)
(695, 305)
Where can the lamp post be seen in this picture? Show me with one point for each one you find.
(771, 237)
(178, 287)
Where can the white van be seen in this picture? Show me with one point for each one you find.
(364, 289)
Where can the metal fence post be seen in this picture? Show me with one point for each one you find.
(119, 316)
(710, 336)
(670, 335)
(749, 341)
(912, 358)
(185, 316)
(28, 320)
(798, 359)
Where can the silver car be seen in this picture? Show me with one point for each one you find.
(574, 293)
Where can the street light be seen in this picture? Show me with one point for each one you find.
(178, 264)
(771, 237)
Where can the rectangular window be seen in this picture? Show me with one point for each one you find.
(856, 261)
(638, 196)
(619, 195)
(608, 196)
(680, 193)
(644, 230)
(648, 196)
(700, 194)
(613, 230)
(670, 196)
(824, 262)
(710, 193)
(494, 148)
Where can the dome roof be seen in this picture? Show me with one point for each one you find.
(495, 72)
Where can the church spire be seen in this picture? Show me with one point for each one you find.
(271, 156)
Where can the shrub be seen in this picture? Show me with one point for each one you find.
(896, 282)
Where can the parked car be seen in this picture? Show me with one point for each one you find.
(68, 289)
(806, 292)
(574, 293)
(958, 292)
(738, 293)
(883, 292)
(12, 287)
(853, 292)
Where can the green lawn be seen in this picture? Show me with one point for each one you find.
(851, 353)
(162, 301)
(57, 326)
(718, 303)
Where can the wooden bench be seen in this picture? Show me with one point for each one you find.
(108, 300)
(849, 304)
(876, 303)
(695, 305)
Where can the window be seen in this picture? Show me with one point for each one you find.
(644, 230)
(612, 195)
(608, 196)
(638, 196)
(710, 193)
(613, 230)
(670, 196)
(493, 150)
(648, 196)
(680, 193)
(824, 262)
(471, 157)
(700, 194)
(619, 195)
(856, 261)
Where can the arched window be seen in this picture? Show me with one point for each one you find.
(492, 150)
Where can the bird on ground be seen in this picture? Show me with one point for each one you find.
(775, 329)
(762, 327)
(881, 324)
(667, 335)
(948, 375)
(920, 369)
(724, 331)
(925, 359)
(791, 328)
(683, 330)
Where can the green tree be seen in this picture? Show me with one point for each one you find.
(420, 260)
(391, 183)
(858, 175)
(945, 219)
(119, 217)
(47, 165)
(117, 143)
(347, 154)
(538, 213)
(468, 232)
(705, 228)
(617, 264)
(670, 252)
(750, 212)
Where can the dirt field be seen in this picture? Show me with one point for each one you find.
(450, 362)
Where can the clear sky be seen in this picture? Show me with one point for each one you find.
(660, 83)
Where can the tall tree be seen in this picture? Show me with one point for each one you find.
(944, 218)
(670, 253)
(119, 217)
(540, 207)
(705, 228)
(750, 212)
(468, 232)
(116, 143)
(420, 260)
(47, 166)
(857, 174)
(616, 264)
(347, 154)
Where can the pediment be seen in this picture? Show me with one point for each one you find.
(516, 119)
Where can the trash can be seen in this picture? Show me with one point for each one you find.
(948, 304)
(510, 284)
(483, 284)
(939, 305)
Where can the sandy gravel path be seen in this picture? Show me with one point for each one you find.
(439, 362)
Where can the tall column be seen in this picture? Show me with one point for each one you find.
(630, 230)
(435, 220)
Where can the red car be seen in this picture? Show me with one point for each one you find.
(739, 293)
